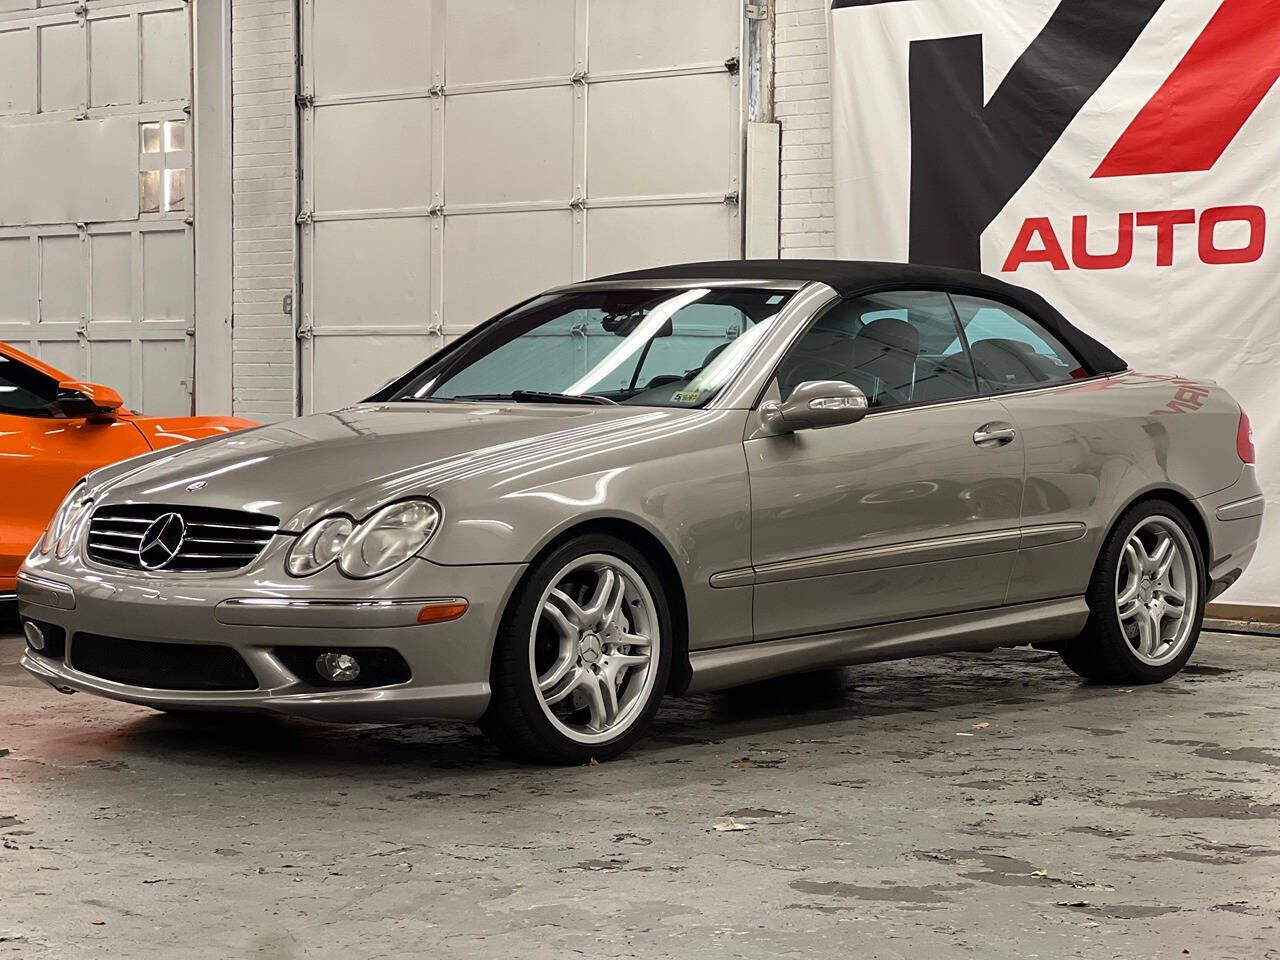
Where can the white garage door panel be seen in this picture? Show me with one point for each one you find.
(655, 137)
(494, 260)
(113, 43)
(370, 273)
(96, 265)
(630, 238)
(62, 292)
(17, 72)
(111, 262)
(62, 74)
(660, 34)
(15, 281)
(369, 47)
(509, 146)
(353, 367)
(371, 156)
(506, 40)
(461, 155)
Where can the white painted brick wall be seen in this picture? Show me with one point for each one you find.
(263, 196)
(802, 97)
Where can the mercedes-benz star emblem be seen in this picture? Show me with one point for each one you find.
(161, 541)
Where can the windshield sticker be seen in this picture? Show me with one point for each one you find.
(686, 396)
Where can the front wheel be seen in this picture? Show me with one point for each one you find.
(1146, 599)
(582, 656)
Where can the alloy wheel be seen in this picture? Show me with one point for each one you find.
(1157, 586)
(594, 648)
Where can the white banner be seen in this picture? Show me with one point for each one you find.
(1121, 158)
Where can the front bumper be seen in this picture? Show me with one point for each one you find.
(256, 615)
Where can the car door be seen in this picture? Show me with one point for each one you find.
(1038, 379)
(42, 454)
(912, 511)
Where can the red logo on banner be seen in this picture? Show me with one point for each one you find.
(1203, 104)
(1037, 240)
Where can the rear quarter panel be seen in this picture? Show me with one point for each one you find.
(1094, 448)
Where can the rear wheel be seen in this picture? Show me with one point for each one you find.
(582, 656)
(1146, 599)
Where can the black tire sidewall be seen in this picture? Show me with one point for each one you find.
(511, 676)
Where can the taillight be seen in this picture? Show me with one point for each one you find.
(1244, 438)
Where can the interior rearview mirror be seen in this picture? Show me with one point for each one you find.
(90, 401)
(815, 404)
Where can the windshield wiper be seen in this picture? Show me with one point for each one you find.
(543, 396)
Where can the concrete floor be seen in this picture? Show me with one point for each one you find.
(989, 806)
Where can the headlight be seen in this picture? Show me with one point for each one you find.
(382, 542)
(58, 524)
(76, 519)
(319, 546)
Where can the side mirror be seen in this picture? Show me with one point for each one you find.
(90, 401)
(815, 404)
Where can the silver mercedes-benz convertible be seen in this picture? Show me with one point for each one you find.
(662, 482)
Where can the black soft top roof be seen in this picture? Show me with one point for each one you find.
(850, 277)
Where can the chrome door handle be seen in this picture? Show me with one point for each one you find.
(994, 434)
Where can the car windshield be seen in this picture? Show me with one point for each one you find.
(668, 348)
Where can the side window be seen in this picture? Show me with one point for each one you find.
(900, 347)
(25, 392)
(1010, 350)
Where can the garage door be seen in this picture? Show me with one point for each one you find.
(95, 231)
(459, 155)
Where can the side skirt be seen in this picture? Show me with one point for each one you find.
(1040, 622)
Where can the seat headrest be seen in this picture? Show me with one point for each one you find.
(884, 336)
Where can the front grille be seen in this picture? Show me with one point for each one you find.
(161, 666)
(210, 539)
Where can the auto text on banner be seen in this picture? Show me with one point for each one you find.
(1119, 158)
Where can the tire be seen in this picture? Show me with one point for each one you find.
(1152, 641)
(579, 641)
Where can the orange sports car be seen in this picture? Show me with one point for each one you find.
(53, 430)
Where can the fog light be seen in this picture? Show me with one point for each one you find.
(35, 636)
(338, 667)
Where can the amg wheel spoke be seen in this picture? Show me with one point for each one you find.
(1130, 608)
(1147, 634)
(557, 619)
(1162, 557)
(1173, 596)
(594, 611)
(574, 612)
(567, 686)
(602, 699)
(633, 640)
(564, 663)
(1128, 594)
(1136, 555)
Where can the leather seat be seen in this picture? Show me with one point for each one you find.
(884, 360)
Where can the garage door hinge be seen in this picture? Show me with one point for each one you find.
(304, 329)
(435, 90)
(305, 217)
(304, 101)
(757, 11)
(190, 331)
(80, 10)
(731, 198)
(435, 210)
(579, 77)
(578, 203)
(732, 64)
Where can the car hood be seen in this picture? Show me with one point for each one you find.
(356, 459)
